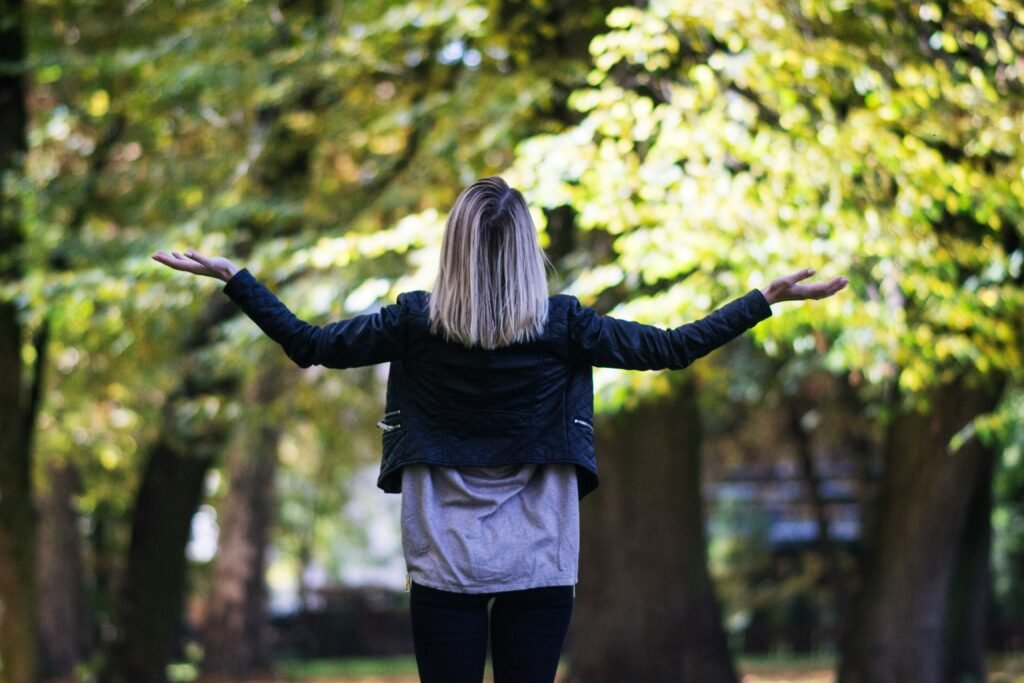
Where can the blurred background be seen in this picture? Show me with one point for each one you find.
(836, 495)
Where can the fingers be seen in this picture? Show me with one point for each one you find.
(165, 258)
(195, 256)
(799, 275)
(178, 261)
(173, 259)
(835, 284)
(788, 290)
(822, 290)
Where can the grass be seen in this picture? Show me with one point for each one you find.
(297, 669)
(787, 668)
(340, 669)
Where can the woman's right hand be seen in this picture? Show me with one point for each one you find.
(785, 288)
(194, 262)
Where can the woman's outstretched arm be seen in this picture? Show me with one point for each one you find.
(605, 341)
(361, 340)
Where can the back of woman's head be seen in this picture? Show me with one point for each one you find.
(491, 288)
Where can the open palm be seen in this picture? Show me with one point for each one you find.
(194, 262)
(786, 288)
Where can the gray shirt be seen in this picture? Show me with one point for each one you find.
(490, 529)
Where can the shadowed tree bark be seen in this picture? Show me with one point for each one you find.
(18, 591)
(646, 606)
(64, 621)
(899, 619)
(151, 595)
(972, 582)
(235, 637)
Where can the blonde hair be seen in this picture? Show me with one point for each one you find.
(491, 287)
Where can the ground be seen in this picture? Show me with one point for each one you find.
(1003, 669)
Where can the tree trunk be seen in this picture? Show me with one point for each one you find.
(646, 607)
(64, 625)
(897, 632)
(151, 595)
(972, 582)
(234, 637)
(17, 515)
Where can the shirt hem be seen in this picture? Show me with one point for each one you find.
(496, 587)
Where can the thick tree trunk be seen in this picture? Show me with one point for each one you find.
(898, 629)
(235, 638)
(972, 581)
(64, 624)
(13, 120)
(17, 514)
(151, 595)
(646, 607)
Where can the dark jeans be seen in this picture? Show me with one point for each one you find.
(527, 629)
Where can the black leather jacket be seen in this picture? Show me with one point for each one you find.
(450, 405)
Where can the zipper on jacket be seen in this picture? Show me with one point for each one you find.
(584, 423)
(383, 421)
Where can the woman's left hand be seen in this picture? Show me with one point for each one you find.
(785, 288)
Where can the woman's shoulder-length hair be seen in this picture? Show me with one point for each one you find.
(491, 287)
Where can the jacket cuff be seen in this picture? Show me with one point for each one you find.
(759, 304)
(238, 283)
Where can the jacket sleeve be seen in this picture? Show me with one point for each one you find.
(362, 340)
(605, 341)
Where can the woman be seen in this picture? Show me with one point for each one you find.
(487, 429)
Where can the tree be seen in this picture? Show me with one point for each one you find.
(645, 593)
(760, 137)
(65, 626)
(18, 589)
(899, 625)
(236, 624)
(171, 489)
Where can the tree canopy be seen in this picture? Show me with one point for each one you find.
(723, 143)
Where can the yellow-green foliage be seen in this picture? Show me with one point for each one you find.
(726, 143)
